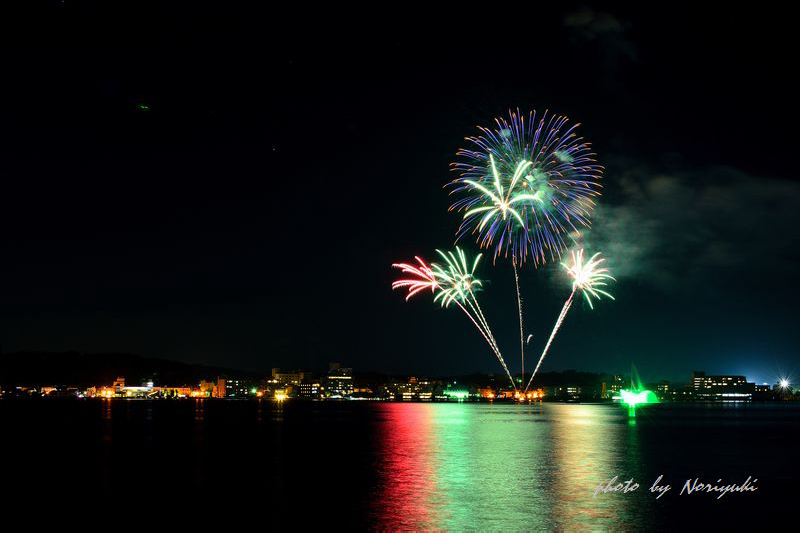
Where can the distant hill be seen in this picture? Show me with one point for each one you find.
(571, 377)
(73, 368)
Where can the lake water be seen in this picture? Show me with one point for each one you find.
(406, 466)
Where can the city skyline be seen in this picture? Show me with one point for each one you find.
(340, 383)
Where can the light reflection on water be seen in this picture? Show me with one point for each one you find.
(506, 467)
(370, 465)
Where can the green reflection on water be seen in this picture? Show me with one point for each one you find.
(507, 466)
(483, 462)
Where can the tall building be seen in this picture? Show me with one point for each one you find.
(340, 380)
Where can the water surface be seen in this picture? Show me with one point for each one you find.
(451, 466)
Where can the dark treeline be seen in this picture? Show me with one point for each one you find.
(85, 370)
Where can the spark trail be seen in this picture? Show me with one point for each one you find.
(561, 317)
(521, 326)
(587, 277)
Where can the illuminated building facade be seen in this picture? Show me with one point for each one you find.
(565, 392)
(206, 389)
(237, 388)
(663, 390)
(293, 377)
(173, 392)
(413, 390)
(611, 388)
(340, 381)
(309, 389)
(726, 388)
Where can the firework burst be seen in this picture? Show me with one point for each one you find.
(457, 280)
(424, 278)
(452, 282)
(524, 185)
(588, 276)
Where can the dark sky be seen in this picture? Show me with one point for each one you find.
(215, 184)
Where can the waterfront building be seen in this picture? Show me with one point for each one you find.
(340, 381)
(413, 390)
(727, 387)
(172, 392)
(206, 389)
(563, 392)
(137, 392)
(292, 377)
(362, 391)
(763, 392)
(309, 389)
(612, 386)
(486, 393)
(237, 388)
(663, 390)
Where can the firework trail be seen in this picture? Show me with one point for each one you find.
(425, 278)
(587, 277)
(455, 283)
(521, 327)
(560, 319)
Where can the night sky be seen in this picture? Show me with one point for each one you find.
(218, 185)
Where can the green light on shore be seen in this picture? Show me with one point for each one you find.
(637, 398)
(459, 394)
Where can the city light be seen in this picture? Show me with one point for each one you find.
(340, 384)
(530, 395)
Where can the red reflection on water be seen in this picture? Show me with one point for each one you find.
(406, 468)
